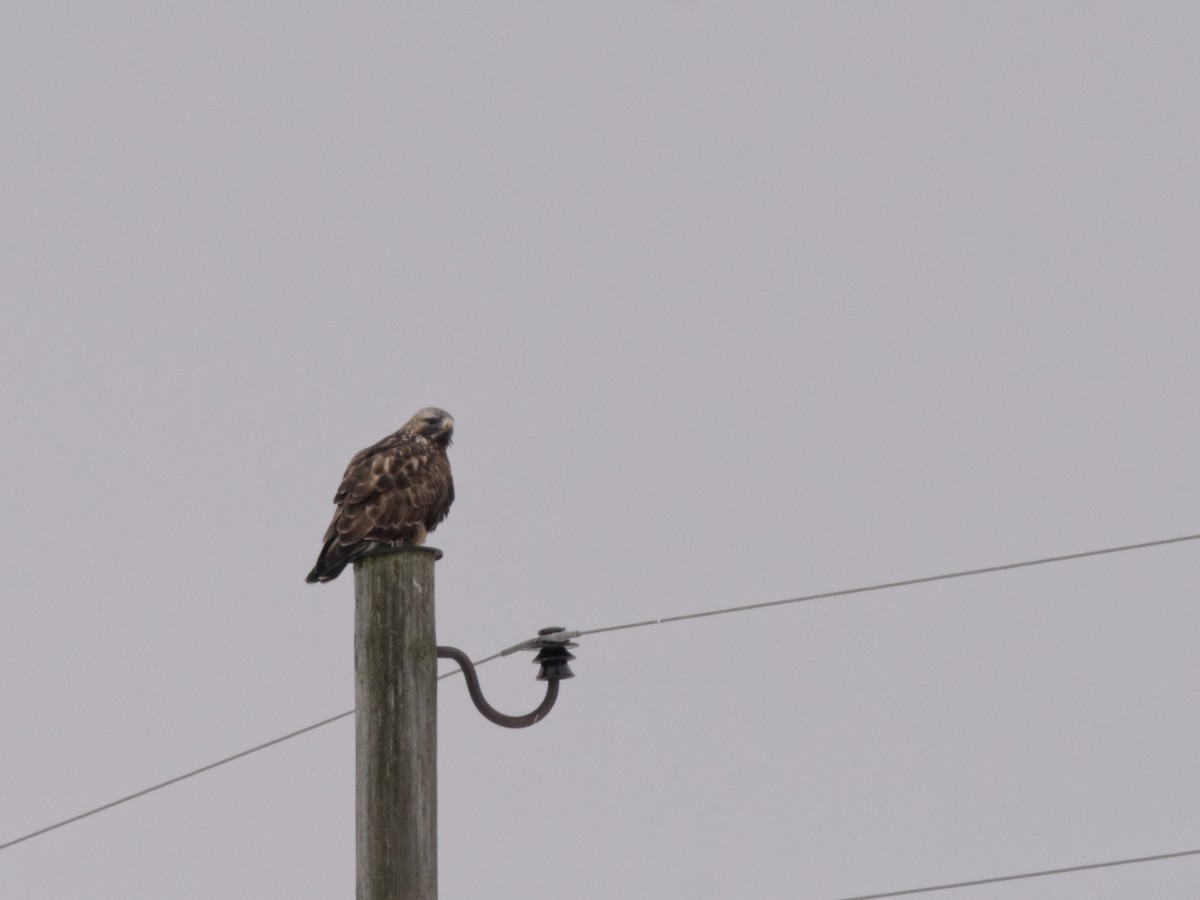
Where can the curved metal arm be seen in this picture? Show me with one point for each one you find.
(489, 712)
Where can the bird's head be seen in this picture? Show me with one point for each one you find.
(434, 424)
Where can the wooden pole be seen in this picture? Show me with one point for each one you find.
(395, 694)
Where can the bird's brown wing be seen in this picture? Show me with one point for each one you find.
(388, 493)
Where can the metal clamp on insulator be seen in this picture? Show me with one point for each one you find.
(551, 635)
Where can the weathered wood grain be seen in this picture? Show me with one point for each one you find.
(395, 693)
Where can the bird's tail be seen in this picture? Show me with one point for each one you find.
(332, 559)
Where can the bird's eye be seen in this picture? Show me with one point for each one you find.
(432, 420)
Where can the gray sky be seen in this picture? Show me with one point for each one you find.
(731, 303)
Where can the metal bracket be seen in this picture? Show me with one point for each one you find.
(554, 656)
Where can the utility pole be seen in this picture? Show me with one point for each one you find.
(395, 695)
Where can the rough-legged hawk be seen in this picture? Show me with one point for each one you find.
(392, 495)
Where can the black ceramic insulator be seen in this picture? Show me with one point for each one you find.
(554, 660)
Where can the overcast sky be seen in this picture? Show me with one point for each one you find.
(730, 303)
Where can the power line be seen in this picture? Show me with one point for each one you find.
(212, 765)
(895, 584)
(958, 884)
(176, 779)
(696, 615)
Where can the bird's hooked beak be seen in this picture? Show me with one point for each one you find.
(448, 429)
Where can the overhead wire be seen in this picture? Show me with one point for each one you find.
(1000, 878)
(630, 625)
(893, 584)
(202, 769)
(177, 779)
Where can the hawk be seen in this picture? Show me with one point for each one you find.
(393, 494)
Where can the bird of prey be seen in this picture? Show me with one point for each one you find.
(393, 494)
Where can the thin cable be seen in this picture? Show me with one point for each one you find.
(175, 780)
(210, 766)
(697, 615)
(958, 884)
(894, 584)
(477, 664)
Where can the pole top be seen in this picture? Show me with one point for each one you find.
(390, 551)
